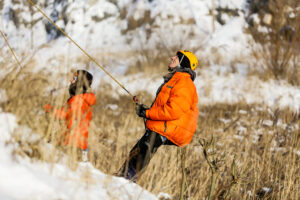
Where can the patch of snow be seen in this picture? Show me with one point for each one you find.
(23, 179)
(267, 190)
(202, 114)
(292, 15)
(271, 132)
(229, 42)
(35, 181)
(232, 4)
(255, 18)
(3, 97)
(239, 137)
(164, 196)
(249, 193)
(241, 129)
(225, 121)
(7, 126)
(220, 130)
(268, 123)
(278, 149)
(255, 138)
(25, 133)
(235, 88)
(112, 106)
(242, 69)
(281, 140)
(243, 112)
(263, 29)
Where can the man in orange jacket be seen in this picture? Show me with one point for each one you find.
(77, 112)
(172, 117)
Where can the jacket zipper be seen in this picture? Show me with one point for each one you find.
(165, 126)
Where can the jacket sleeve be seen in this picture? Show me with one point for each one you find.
(73, 108)
(61, 113)
(179, 102)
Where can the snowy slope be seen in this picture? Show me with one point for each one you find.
(98, 26)
(24, 179)
(101, 27)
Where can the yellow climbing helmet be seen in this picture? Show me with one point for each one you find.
(192, 58)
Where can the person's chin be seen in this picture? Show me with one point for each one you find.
(170, 68)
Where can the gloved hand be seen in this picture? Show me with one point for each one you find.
(140, 110)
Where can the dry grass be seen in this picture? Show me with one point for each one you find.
(262, 142)
(279, 42)
(147, 62)
(152, 61)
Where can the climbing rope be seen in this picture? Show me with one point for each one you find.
(135, 99)
(90, 57)
(11, 50)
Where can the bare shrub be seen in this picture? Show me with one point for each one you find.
(278, 37)
(154, 61)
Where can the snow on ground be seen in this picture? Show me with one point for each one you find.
(236, 87)
(228, 42)
(24, 179)
(3, 97)
(97, 27)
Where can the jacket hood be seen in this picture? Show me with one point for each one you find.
(187, 70)
(90, 98)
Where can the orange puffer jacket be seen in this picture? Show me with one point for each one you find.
(77, 114)
(174, 112)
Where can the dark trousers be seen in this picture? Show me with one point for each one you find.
(141, 154)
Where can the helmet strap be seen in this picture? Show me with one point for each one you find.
(181, 60)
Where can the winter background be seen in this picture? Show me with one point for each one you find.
(123, 35)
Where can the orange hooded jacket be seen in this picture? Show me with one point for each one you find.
(174, 112)
(77, 114)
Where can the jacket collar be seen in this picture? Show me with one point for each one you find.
(187, 71)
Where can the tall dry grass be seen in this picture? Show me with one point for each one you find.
(263, 143)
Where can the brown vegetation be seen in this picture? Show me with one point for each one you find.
(255, 149)
(279, 41)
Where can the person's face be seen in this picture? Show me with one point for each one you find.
(74, 79)
(174, 62)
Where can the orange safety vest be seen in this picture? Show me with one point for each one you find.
(174, 112)
(77, 114)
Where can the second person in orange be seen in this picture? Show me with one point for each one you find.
(77, 112)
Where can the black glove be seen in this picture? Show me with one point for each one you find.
(140, 110)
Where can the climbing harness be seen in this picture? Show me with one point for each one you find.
(90, 57)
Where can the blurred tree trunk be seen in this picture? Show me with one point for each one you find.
(213, 15)
(31, 27)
